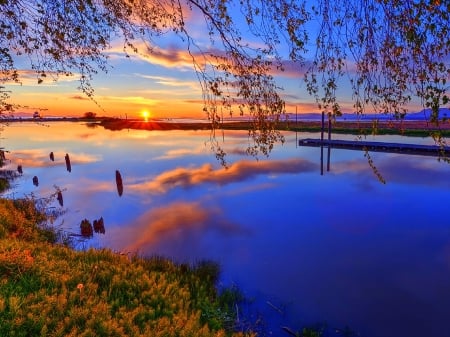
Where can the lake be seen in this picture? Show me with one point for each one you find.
(339, 248)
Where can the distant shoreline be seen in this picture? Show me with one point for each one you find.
(411, 128)
(406, 127)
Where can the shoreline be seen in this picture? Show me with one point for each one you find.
(402, 127)
(407, 128)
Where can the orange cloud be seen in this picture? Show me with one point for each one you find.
(170, 57)
(242, 170)
(174, 57)
(138, 100)
(182, 85)
(171, 154)
(172, 223)
(30, 78)
(80, 98)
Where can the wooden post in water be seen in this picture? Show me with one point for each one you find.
(321, 158)
(323, 126)
(322, 129)
(329, 145)
(329, 126)
(296, 130)
(223, 132)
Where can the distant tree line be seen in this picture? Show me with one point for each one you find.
(89, 115)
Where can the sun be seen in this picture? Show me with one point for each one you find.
(145, 114)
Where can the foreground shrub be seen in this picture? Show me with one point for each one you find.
(21, 219)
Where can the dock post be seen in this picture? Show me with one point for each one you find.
(322, 129)
(329, 145)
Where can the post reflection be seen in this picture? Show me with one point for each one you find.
(328, 148)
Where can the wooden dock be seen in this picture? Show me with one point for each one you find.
(415, 149)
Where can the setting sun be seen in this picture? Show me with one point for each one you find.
(145, 114)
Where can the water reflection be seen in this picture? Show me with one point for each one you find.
(68, 164)
(405, 170)
(182, 225)
(99, 226)
(340, 248)
(34, 158)
(238, 172)
(87, 228)
(119, 183)
(60, 198)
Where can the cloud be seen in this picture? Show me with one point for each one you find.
(30, 78)
(130, 99)
(177, 153)
(174, 222)
(240, 171)
(39, 158)
(398, 169)
(170, 81)
(291, 69)
(302, 107)
(170, 86)
(171, 57)
(91, 187)
(412, 171)
(80, 98)
(183, 59)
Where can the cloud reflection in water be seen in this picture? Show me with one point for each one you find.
(411, 170)
(40, 158)
(240, 171)
(180, 226)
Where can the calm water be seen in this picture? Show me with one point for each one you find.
(341, 248)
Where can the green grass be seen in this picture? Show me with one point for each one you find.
(48, 289)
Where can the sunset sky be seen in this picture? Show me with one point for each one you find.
(163, 83)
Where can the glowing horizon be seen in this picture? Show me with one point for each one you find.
(163, 82)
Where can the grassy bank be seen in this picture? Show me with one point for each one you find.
(48, 289)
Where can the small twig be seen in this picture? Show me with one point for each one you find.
(289, 331)
(274, 307)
